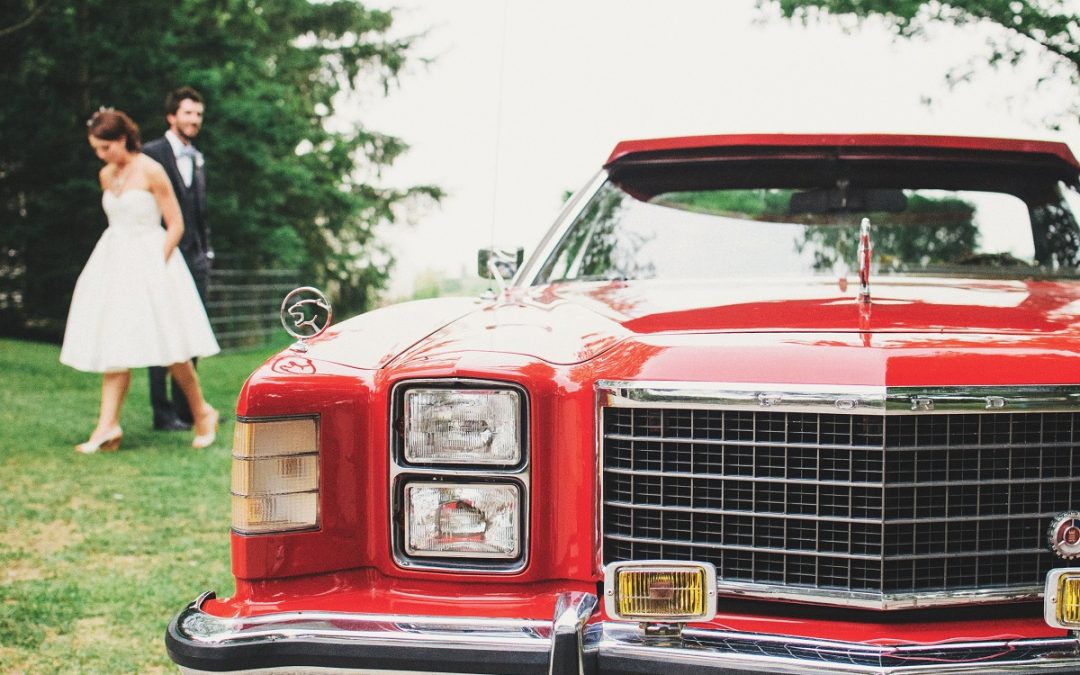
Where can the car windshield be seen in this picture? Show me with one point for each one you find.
(788, 232)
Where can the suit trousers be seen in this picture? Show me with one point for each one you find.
(168, 402)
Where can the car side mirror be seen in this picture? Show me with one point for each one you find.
(493, 263)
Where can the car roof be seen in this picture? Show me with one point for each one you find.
(910, 146)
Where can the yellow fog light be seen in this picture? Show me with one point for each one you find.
(660, 590)
(275, 475)
(1061, 602)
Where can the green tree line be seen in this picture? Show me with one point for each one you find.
(285, 188)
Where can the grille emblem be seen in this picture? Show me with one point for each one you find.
(1064, 535)
(846, 403)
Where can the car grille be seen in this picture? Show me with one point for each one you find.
(880, 508)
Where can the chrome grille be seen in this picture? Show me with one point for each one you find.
(872, 509)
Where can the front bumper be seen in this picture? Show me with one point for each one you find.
(574, 641)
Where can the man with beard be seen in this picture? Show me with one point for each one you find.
(184, 166)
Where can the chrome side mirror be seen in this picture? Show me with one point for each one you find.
(493, 263)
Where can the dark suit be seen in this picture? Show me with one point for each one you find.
(195, 247)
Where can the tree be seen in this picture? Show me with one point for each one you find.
(927, 231)
(285, 189)
(1019, 29)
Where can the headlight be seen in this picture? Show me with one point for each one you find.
(275, 475)
(463, 520)
(462, 426)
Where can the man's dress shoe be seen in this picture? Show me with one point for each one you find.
(171, 425)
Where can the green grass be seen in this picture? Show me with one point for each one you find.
(98, 552)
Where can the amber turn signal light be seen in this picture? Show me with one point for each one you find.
(1061, 602)
(660, 591)
(275, 475)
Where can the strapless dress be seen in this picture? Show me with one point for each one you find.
(130, 308)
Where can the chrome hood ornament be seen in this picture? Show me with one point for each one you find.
(866, 249)
(305, 313)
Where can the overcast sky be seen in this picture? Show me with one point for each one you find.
(525, 100)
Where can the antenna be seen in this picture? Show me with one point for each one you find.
(498, 122)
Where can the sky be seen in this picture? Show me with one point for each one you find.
(524, 101)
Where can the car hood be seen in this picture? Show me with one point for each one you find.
(572, 323)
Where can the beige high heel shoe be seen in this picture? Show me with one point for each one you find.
(206, 440)
(109, 442)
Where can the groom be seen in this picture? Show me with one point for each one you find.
(184, 165)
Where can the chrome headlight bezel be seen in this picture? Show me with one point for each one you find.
(404, 472)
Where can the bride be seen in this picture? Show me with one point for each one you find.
(135, 303)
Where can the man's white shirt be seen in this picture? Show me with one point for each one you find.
(185, 162)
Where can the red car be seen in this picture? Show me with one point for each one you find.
(794, 403)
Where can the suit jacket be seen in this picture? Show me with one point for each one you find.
(195, 244)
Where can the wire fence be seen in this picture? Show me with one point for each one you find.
(244, 305)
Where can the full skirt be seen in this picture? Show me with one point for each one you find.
(131, 309)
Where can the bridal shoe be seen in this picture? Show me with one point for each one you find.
(206, 440)
(110, 442)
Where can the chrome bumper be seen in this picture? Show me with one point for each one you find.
(333, 642)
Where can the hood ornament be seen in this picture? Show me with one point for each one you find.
(866, 248)
(305, 313)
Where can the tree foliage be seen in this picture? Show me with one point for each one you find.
(286, 189)
(929, 230)
(932, 232)
(1019, 29)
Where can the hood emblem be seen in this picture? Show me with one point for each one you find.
(305, 313)
(866, 249)
(1064, 535)
(294, 365)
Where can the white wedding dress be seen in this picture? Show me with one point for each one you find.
(130, 308)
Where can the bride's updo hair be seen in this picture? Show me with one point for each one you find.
(111, 125)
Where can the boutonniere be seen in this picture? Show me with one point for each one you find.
(199, 159)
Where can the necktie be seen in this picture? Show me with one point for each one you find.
(187, 169)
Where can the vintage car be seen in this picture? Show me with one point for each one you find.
(782, 403)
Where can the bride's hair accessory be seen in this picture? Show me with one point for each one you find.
(98, 112)
(110, 124)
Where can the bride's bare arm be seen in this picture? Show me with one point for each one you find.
(162, 190)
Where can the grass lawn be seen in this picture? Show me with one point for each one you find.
(98, 552)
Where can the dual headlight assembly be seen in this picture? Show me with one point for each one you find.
(460, 475)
